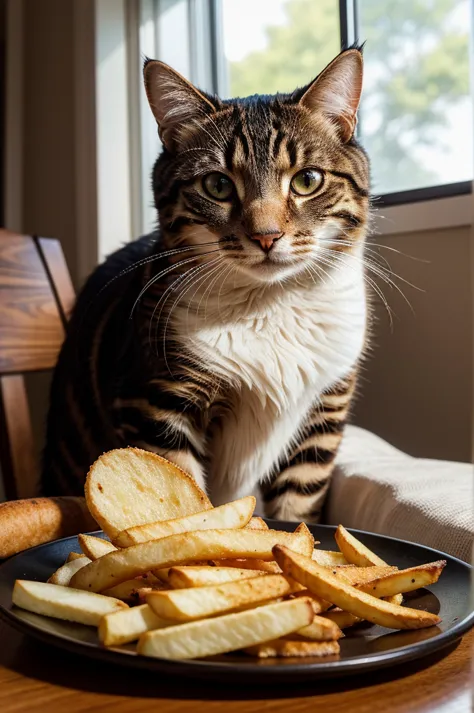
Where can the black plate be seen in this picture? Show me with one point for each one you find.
(365, 647)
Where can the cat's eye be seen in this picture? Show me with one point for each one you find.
(306, 182)
(218, 186)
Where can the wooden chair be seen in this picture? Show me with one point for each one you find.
(36, 296)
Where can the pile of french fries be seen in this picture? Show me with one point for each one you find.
(215, 580)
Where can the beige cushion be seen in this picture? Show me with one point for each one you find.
(378, 488)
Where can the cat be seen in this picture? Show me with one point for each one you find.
(229, 340)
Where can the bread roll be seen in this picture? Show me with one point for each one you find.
(26, 523)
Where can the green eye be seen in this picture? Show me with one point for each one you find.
(306, 182)
(218, 186)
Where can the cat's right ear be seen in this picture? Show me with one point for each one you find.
(173, 100)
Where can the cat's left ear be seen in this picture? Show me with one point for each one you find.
(336, 91)
(173, 100)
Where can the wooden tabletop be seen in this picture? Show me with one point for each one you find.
(37, 677)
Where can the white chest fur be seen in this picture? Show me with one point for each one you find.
(278, 351)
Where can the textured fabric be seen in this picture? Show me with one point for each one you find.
(378, 488)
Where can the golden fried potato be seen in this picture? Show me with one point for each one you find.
(331, 588)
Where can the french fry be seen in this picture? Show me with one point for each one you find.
(198, 603)
(73, 556)
(129, 625)
(252, 564)
(318, 604)
(354, 551)
(95, 547)
(331, 588)
(163, 574)
(208, 637)
(320, 629)
(142, 594)
(64, 574)
(303, 529)
(405, 580)
(342, 618)
(256, 523)
(63, 602)
(360, 575)
(118, 566)
(230, 516)
(131, 590)
(361, 556)
(396, 599)
(184, 577)
(327, 558)
(292, 649)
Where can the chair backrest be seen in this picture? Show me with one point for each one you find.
(36, 297)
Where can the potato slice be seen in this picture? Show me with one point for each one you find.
(231, 632)
(197, 603)
(64, 574)
(405, 580)
(343, 619)
(320, 629)
(326, 558)
(291, 649)
(63, 602)
(129, 625)
(230, 516)
(354, 551)
(256, 523)
(95, 547)
(184, 577)
(74, 556)
(331, 588)
(128, 486)
(126, 564)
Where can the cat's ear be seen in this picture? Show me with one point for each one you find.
(336, 91)
(173, 100)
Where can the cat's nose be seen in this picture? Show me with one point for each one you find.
(266, 240)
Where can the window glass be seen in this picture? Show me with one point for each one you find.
(415, 119)
(416, 116)
(277, 45)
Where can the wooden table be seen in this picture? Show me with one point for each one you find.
(36, 677)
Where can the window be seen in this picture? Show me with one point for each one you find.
(415, 118)
(416, 113)
(277, 45)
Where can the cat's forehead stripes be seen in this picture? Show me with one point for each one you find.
(261, 140)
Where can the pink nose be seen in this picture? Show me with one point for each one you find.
(266, 240)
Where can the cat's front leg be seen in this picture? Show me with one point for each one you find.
(298, 490)
(164, 421)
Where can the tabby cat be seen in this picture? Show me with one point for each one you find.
(229, 339)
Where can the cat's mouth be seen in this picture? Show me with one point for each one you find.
(270, 267)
